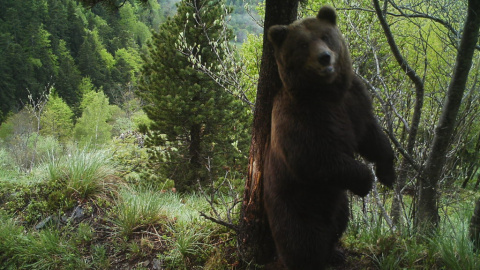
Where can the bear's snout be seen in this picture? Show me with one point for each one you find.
(324, 58)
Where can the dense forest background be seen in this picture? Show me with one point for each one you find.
(64, 45)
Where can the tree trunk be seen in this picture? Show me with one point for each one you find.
(194, 154)
(427, 211)
(254, 239)
(474, 229)
(473, 167)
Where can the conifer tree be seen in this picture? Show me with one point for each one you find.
(198, 128)
(68, 77)
(94, 61)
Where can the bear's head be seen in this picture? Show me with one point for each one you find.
(312, 53)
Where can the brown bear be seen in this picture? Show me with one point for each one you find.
(321, 118)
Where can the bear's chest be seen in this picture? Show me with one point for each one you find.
(316, 127)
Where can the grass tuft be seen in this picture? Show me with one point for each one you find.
(137, 208)
(84, 172)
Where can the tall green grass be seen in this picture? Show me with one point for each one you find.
(185, 232)
(21, 249)
(8, 239)
(8, 170)
(137, 208)
(189, 243)
(48, 250)
(140, 207)
(85, 173)
(449, 247)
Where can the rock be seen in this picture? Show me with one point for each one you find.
(78, 213)
(43, 223)
(157, 264)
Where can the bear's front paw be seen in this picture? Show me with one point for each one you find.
(385, 174)
(362, 186)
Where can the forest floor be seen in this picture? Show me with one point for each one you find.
(79, 213)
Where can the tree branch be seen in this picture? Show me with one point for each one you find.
(416, 14)
(221, 222)
(402, 151)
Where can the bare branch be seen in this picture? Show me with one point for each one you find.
(394, 48)
(221, 222)
(402, 151)
(416, 14)
(211, 198)
(380, 204)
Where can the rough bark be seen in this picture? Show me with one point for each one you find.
(427, 210)
(254, 237)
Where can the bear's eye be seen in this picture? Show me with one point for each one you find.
(325, 38)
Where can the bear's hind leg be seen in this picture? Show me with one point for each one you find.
(341, 218)
(303, 245)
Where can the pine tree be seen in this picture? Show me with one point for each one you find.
(68, 77)
(93, 59)
(200, 128)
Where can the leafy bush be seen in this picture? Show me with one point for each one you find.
(29, 150)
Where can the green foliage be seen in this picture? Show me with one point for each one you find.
(92, 127)
(86, 86)
(34, 200)
(46, 250)
(189, 246)
(9, 232)
(69, 76)
(250, 55)
(196, 124)
(16, 125)
(56, 185)
(132, 158)
(447, 248)
(84, 234)
(136, 209)
(28, 150)
(127, 64)
(85, 173)
(8, 168)
(51, 42)
(100, 257)
(94, 60)
(57, 118)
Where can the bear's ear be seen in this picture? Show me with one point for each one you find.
(328, 14)
(277, 34)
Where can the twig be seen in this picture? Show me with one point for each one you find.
(221, 222)
(211, 200)
(380, 205)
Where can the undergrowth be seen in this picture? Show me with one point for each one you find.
(449, 247)
(92, 218)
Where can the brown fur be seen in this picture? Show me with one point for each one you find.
(321, 118)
